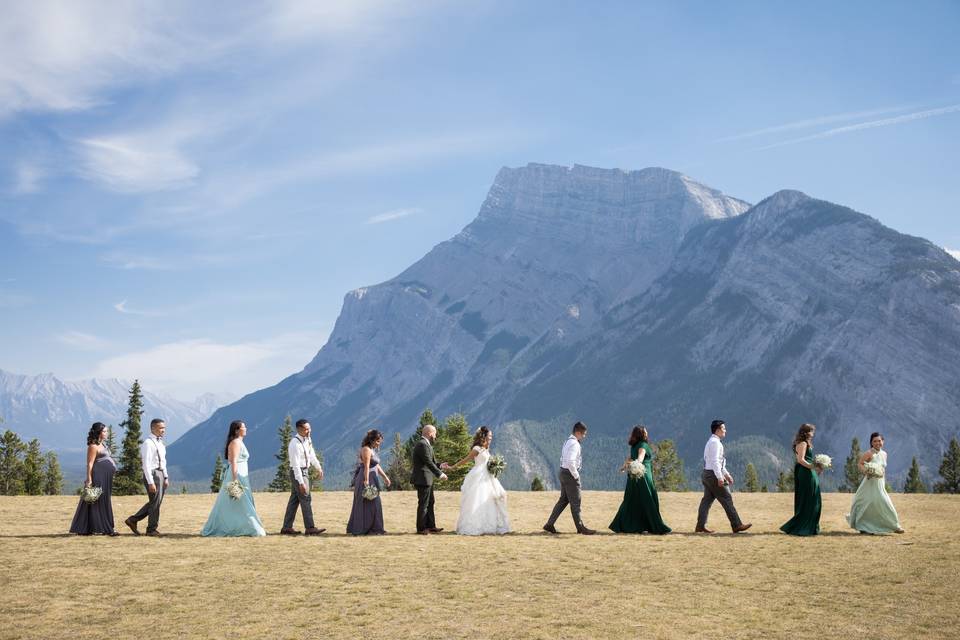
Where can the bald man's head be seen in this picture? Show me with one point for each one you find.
(429, 432)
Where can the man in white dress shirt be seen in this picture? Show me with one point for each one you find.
(302, 456)
(570, 462)
(715, 480)
(153, 458)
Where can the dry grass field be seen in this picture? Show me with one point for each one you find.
(525, 585)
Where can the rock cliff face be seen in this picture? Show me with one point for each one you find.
(617, 296)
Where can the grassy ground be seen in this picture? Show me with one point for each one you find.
(526, 585)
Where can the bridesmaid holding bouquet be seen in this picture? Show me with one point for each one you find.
(234, 512)
(640, 510)
(872, 510)
(806, 496)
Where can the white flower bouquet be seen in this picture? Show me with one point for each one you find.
(636, 469)
(496, 465)
(90, 494)
(872, 469)
(822, 461)
(235, 489)
(370, 492)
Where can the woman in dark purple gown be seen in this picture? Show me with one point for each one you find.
(366, 517)
(97, 517)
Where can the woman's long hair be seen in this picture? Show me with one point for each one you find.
(803, 434)
(232, 435)
(639, 434)
(372, 436)
(480, 436)
(93, 436)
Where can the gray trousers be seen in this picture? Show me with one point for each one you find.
(299, 500)
(711, 492)
(569, 494)
(151, 510)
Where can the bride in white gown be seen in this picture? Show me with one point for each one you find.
(483, 500)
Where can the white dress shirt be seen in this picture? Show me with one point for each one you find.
(153, 455)
(570, 457)
(302, 456)
(713, 458)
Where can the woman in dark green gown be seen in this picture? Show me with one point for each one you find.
(640, 509)
(806, 492)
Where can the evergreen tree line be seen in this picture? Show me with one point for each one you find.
(25, 469)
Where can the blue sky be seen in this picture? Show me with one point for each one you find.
(187, 190)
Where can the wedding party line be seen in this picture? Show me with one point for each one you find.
(483, 500)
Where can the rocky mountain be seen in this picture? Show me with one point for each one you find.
(617, 297)
(59, 412)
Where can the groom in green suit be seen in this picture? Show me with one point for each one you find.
(425, 469)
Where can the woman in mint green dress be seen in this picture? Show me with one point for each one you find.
(872, 509)
(806, 491)
(234, 516)
(640, 510)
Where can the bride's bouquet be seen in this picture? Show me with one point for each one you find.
(370, 492)
(90, 494)
(235, 489)
(636, 469)
(872, 469)
(822, 461)
(496, 465)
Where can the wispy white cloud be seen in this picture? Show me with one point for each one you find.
(395, 214)
(811, 122)
(873, 124)
(130, 165)
(82, 341)
(124, 309)
(188, 368)
(954, 253)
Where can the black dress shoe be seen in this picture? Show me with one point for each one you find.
(549, 528)
(130, 522)
(289, 532)
(435, 529)
(585, 531)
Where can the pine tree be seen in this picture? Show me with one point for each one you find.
(216, 480)
(12, 450)
(52, 476)
(950, 469)
(453, 444)
(537, 484)
(111, 442)
(785, 482)
(129, 478)
(763, 489)
(668, 468)
(851, 469)
(33, 469)
(914, 484)
(399, 468)
(751, 480)
(281, 480)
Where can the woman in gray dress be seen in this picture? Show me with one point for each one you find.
(366, 517)
(97, 517)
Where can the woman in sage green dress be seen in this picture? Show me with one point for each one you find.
(640, 509)
(234, 516)
(872, 509)
(806, 491)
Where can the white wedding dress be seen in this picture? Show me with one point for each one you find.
(483, 500)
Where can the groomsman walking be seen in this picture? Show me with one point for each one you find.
(571, 460)
(153, 460)
(302, 456)
(715, 480)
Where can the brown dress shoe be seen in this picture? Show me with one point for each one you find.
(742, 528)
(313, 531)
(154, 534)
(289, 532)
(435, 529)
(549, 528)
(702, 530)
(585, 531)
(130, 522)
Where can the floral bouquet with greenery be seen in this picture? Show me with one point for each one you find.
(235, 489)
(872, 469)
(636, 469)
(90, 494)
(822, 461)
(496, 465)
(370, 492)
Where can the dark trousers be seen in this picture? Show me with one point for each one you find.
(712, 491)
(425, 502)
(569, 494)
(151, 510)
(297, 499)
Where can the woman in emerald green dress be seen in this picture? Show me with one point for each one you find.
(806, 492)
(872, 509)
(640, 509)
